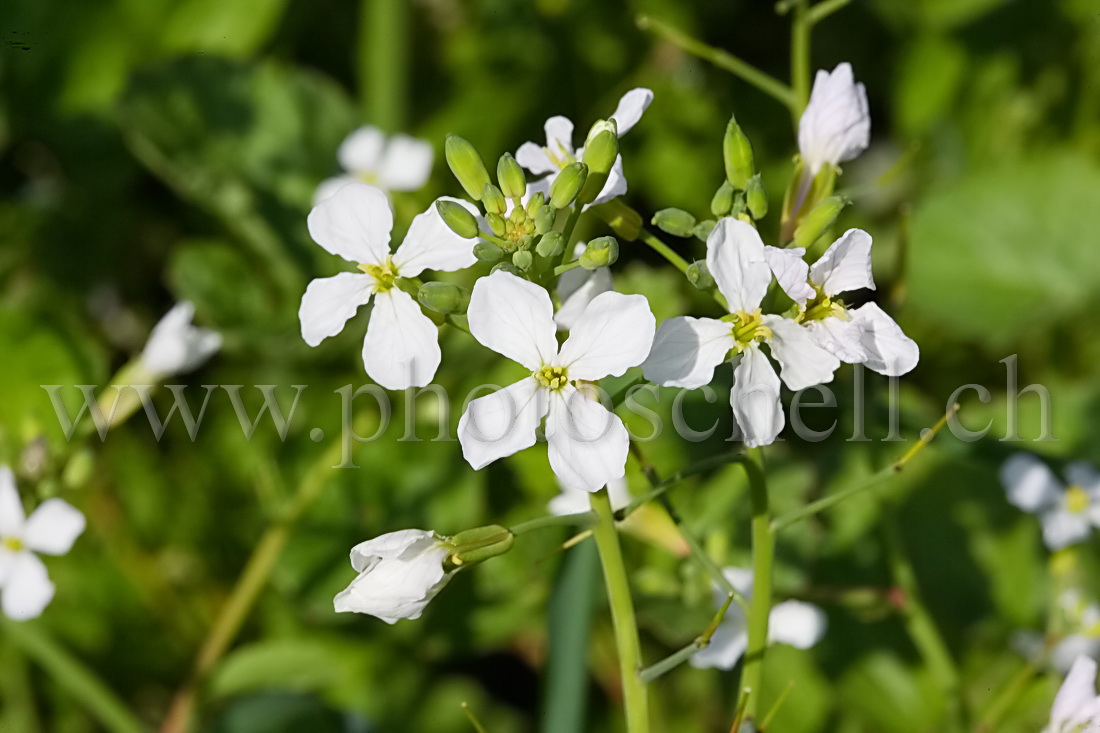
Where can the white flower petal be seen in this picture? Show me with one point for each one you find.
(836, 125)
(1076, 698)
(796, 623)
(177, 347)
(791, 271)
(1079, 473)
(578, 501)
(802, 362)
(27, 589)
(329, 302)
(401, 348)
(1062, 528)
(514, 318)
(614, 333)
(887, 350)
(846, 265)
(12, 515)
(329, 186)
(1066, 651)
(1029, 483)
(728, 644)
(686, 351)
(533, 157)
(387, 547)
(432, 245)
(735, 258)
(502, 423)
(755, 398)
(53, 527)
(354, 223)
(398, 588)
(361, 151)
(577, 288)
(587, 442)
(559, 137)
(615, 185)
(839, 337)
(630, 109)
(406, 165)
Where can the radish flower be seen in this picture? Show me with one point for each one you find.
(175, 346)
(1067, 514)
(399, 163)
(836, 125)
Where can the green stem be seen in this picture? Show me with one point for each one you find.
(635, 695)
(383, 62)
(800, 60)
(584, 519)
(824, 9)
(562, 269)
(674, 660)
(722, 59)
(763, 556)
(567, 234)
(1005, 699)
(664, 250)
(72, 675)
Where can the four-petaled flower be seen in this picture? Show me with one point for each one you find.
(400, 163)
(401, 348)
(687, 350)
(1076, 707)
(587, 443)
(559, 152)
(175, 346)
(25, 587)
(836, 125)
(1067, 514)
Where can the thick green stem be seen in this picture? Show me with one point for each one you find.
(383, 62)
(635, 695)
(763, 556)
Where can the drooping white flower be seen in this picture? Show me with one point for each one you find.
(1076, 707)
(1067, 514)
(836, 125)
(687, 350)
(577, 501)
(175, 346)
(559, 152)
(577, 288)
(397, 163)
(864, 335)
(399, 573)
(796, 623)
(25, 587)
(515, 318)
(401, 348)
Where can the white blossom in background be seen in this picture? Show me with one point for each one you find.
(1079, 624)
(396, 163)
(576, 501)
(577, 288)
(1067, 514)
(399, 573)
(559, 152)
(1076, 707)
(401, 348)
(687, 350)
(864, 335)
(25, 587)
(836, 126)
(515, 318)
(175, 346)
(796, 623)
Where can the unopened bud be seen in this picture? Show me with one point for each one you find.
(600, 252)
(564, 189)
(544, 219)
(676, 222)
(480, 544)
(466, 165)
(488, 252)
(623, 220)
(699, 276)
(722, 202)
(523, 259)
(737, 154)
(458, 218)
(602, 147)
(552, 244)
(496, 223)
(493, 200)
(818, 221)
(757, 198)
(444, 297)
(506, 267)
(510, 177)
(703, 229)
(535, 203)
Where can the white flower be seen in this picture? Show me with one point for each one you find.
(576, 501)
(515, 318)
(1076, 707)
(401, 163)
(25, 587)
(836, 125)
(796, 623)
(559, 152)
(687, 350)
(399, 573)
(175, 346)
(864, 335)
(401, 348)
(1067, 514)
(577, 288)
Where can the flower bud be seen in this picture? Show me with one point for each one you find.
(703, 229)
(552, 244)
(535, 204)
(466, 165)
(458, 218)
(602, 147)
(722, 202)
(493, 200)
(600, 252)
(818, 221)
(507, 267)
(699, 276)
(477, 545)
(544, 219)
(497, 224)
(756, 197)
(523, 259)
(623, 220)
(488, 252)
(510, 177)
(737, 154)
(564, 189)
(676, 222)
(444, 297)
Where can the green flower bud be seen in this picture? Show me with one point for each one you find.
(458, 218)
(493, 200)
(510, 177)
(676, 222)
(600, 252)
(497, 224)
(523, 259)
(466, 165)
(552, 244)
(722, 202)
(544, 219)
(756, 197)
(602, 147)
(818, 221)
(507, 267)
(535, 204)
(564, 189)
(480, 544)
(703, 229)
(488, 252)
(737, 154)
(623, 220)
(444, 297)
(699, 276)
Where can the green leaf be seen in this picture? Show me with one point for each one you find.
(285, 664)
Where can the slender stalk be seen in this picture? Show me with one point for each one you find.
(584, 519)
(1003, 702)
(763, 557)
(824, 9)
(567, 234)
(664, 250)
(800, 60)
(674, 660)
(635, 694)
(664, 485)
(383, 62)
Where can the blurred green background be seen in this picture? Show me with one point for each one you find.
(159, 150)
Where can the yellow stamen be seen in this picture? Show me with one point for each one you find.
(748, 327)
(552, 377)
(820, 307)
(1077, 499)
(384, 275)
(13, 543)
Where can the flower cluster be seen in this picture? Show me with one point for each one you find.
(1067, 513)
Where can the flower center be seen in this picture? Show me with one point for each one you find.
(384, 275)
(13, 543)
(1077, 499)
(518, 227)
(561, 157)
(747, 328)
(552, 377)
(368, 177)
(820, 307)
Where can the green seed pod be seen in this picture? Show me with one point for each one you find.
(564, 189)
(510, 177)
(544, 220)
(488, 252)
(493, 200)
(722, 202)
(466, 165)
(535, 203)
(699, 276)
(444, 297)
(703, 229)
(523, 259)
(507, 267)
(818, 221)
(737, 155)
(676, 222)
(480, 544)
(600, 252)
(458, 218)
(756, 197)
(552, 244)
(497, 224)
